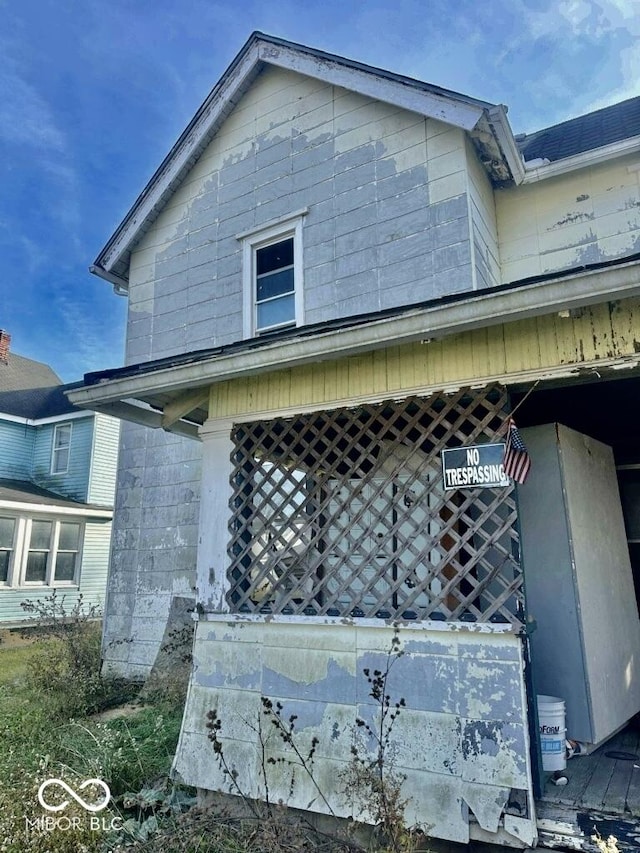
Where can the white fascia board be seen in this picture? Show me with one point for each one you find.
(459, 113)
(582, 161)
(213, 108)
(53, 509)
(54, 419)
(478, 311)
(500, 123)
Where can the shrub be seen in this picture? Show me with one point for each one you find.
(66, 669)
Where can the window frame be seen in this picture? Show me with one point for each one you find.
(11, 550)
(16, 577)
(55, 448)
(285, 228)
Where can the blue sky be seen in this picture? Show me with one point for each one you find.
(94, 93)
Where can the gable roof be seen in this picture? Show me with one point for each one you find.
(584, 133)
(487, 123)
(19, 373)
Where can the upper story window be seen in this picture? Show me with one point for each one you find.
(272, 276)
(61, 449)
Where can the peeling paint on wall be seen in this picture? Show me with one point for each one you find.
(452, 762)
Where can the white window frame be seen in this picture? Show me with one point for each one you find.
(11, 551)
(21, 549)
(271, 233)
(56, 448)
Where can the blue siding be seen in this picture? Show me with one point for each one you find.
(93, 577)
(102, 483)
(16, 450)
(75, 483)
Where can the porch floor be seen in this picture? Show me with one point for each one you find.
(603, 793)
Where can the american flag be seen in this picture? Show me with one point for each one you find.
(516, 461)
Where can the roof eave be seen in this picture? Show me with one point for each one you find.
(119, 397)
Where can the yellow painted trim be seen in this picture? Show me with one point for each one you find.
(595, 335)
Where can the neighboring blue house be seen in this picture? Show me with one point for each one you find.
(57, 481)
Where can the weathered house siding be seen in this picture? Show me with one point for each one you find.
(578, 218)
(74, 483)
(388, 219)
(155, 536)
(16, 458)
(461, 741)
(486, 255)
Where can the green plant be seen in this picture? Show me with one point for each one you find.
(66, 668)
(371, 780)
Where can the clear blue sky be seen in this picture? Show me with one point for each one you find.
(93, 93)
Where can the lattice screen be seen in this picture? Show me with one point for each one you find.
(343, 513)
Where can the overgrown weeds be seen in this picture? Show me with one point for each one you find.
(370, 783)
(65, 669)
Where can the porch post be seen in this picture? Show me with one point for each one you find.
(213, 537)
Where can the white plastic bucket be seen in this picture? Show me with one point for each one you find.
(552, 732)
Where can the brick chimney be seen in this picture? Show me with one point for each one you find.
(5, 341)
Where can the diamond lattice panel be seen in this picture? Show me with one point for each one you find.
(344, 513)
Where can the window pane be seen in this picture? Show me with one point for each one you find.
(61, 444)
(274, 257)
(275, 284)
(276, 311)
(36, 566)
(61, 460)
(5, 556)
(69, 536)
(65, 567)
(62, 436)
(40, 535)
(7, 527)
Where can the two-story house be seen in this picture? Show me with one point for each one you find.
(341, 282)
(57, 483)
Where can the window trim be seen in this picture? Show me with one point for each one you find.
(21, 549)
(58, 429)
(275, 232)
(11, 550)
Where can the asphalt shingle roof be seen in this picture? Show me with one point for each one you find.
(37, 403)
(585, 133)
(19, 373)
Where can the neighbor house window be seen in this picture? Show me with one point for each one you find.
(61, 448)
(7, 538)
(40, 551)
(272, 275)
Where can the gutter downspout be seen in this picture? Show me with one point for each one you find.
(120, 285)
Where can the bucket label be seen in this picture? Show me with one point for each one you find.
(549, 730)
(552, 746)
